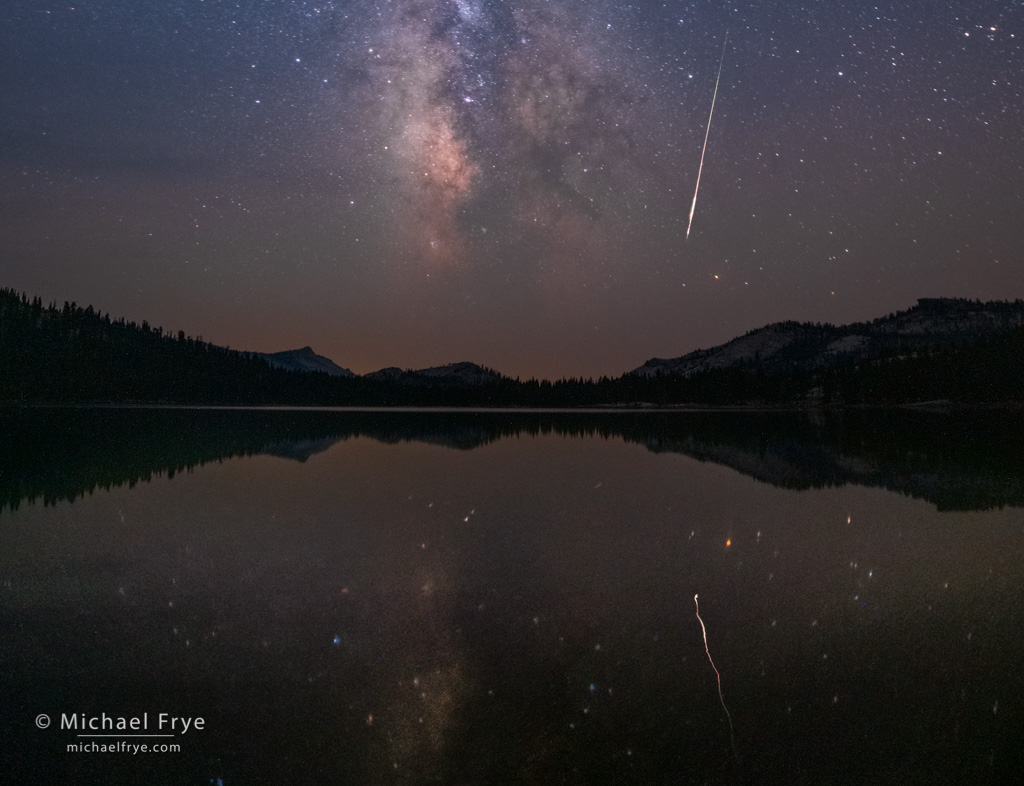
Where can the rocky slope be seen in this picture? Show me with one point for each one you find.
(933, 323)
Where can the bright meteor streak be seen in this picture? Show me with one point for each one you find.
(721, 698)
(700, 169)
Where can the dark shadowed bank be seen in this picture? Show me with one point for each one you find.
(947, 350)
(965, 461)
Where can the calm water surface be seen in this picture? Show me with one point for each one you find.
(374, 598)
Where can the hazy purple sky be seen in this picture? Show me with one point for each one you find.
(416, 183)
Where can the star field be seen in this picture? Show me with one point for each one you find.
(413, 183)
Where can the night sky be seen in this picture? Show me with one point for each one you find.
(413, 183)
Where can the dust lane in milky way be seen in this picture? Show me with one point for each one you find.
(412, 183)
(491, 120)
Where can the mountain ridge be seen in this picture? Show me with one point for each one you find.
(960, 351)
(452, 374)
(304, 359)
(933, 322)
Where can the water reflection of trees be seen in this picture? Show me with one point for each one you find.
(957, 462)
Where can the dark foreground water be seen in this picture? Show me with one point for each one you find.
(374, 598)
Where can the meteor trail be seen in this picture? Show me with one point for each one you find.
(721, 698)
(700, 169)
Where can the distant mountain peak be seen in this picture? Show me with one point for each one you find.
(304, 359)
(463, 373)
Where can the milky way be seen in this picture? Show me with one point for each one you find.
(495, 122)
(412, 183)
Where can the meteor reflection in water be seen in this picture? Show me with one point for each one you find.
(721, 698)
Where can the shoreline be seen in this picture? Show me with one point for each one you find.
(936, 407)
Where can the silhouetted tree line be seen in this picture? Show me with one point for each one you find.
(70, 354)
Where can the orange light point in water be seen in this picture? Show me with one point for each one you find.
(728, 542)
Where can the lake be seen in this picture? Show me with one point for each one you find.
(477, 598)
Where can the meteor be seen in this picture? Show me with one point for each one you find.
(721, 698)
(700, 169)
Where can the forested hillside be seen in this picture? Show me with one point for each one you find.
(72, 354)
(69, 354)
